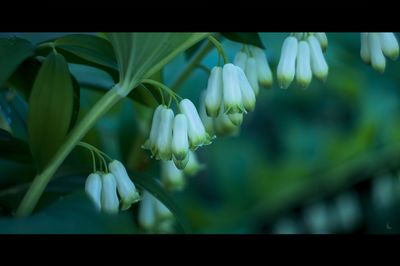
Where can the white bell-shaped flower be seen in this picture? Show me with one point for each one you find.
(389, 44)
(126, 188)
(319, 66)
(109, 197)
(93, 189)
(264, 73)
(146, 213)
(364, 51)
(193, 166)
(248, 95)
(151, 142)
(378, 60)
(164, 138)
(252, 74)
(240, 60)
(196, 131)
(214, 92)
(322, 39)
(171, 177)
(180, 141)
(287, 62)
(303, 65)
(206, 120)
(232, 95)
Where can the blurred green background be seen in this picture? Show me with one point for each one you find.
(325, 159)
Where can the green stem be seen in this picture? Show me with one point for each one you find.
(219, 47)
(40, 182)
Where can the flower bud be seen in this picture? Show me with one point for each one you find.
(232, 94)
(223, 125)
(93, 189)
(206, 120)
(146, 213)
(152, 140)
(193, 166)
(364, 51)
(322, 39)
(164, 138)
(240, 60)
(303, 67)
(171, 177)
(378, 60)
(181, 164)
(180, 140)
(286, 66)
(236, 119)
(126, 189)
(251, 73)
(214, 92)
(196, 131)
(389, 44)
(248, 96)
(264, 72)
(109, 197)
(318, 63)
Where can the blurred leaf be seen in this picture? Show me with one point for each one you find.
(13, 51)
(24, 77)
(192, 50)
(50, 108)
(150, 184)
(73, 214)
(76, 102)
(252, 38)
(13, 149)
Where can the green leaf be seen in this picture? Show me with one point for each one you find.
(76, 102)
(252, 38)
(192, 50)
(50, 108)
(72, 214)
(13, 51)
(91, 48)
(13, 149)
(25, 75)
(151, 185)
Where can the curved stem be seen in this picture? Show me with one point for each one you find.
(219, 47)
(40, 182)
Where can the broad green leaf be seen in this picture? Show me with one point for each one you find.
(50, 108)
(13, 51)
(244, 37)
(88, 47)
(13, 149)
(72, 214)
(150, 184)
(24, 77)
(76, 102)
(141, 55)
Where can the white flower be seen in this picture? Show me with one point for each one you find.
(126, 189)
(248, 96)
(180, 140)
(303, 67)
(286, 66)
(164, 138)
(319, 66)
(93, 189)
(252, 74)
(322, 39)
(196, 131)
(171, 177)
(378, 60)
(109, 197)
(389, 44)
(364, 51)
(232, 95)
(146, 214)
(151, 142)
(213, 98)
(240, 60)
(193, 166)
(264, 72)
(207, 121)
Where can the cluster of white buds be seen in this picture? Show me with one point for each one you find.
(375, 46)
(104, 188)
(173, 178)
(302, 56)
(154, 216)
(173, 137)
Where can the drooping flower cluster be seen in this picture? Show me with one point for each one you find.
(172, 137)
(375, 46)
(113, 190)
(302, 56)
